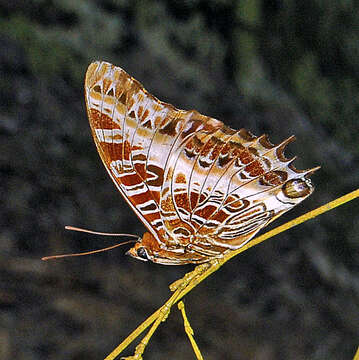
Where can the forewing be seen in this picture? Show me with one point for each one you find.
(135, 135)
(125, 120)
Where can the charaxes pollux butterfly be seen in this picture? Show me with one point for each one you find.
(200, 188)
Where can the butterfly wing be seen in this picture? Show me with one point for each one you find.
(135, 134)
(198, 186)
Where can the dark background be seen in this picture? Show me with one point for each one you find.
(276, 67)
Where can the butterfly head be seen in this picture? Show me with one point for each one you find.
(143, 249)
(139, 252)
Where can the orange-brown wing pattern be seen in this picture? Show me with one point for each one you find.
(200, 187)
(135, 134)
(226, 186)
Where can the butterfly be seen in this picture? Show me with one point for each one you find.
(200, 188)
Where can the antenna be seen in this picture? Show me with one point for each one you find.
(73, 228)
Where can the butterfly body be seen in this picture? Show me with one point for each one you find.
(200, 187)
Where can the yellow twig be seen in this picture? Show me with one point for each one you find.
(219, 262)
(137, 332)
(189, 331)
(356, 356)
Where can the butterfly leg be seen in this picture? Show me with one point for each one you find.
(189, 331)
(190, 276)
(200, 272)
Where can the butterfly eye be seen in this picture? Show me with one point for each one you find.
(142, 253)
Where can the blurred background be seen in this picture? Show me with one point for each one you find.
(276, 67)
